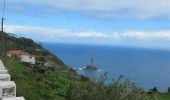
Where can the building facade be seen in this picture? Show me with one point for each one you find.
(24, 57)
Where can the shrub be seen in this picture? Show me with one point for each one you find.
(155, 90)
(96, 89)
(169, 90)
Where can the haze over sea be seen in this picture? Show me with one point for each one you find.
(146, 67)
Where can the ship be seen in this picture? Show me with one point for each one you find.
(90, 67)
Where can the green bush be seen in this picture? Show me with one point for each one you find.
(120, 89)
(155, 90)
(169, 90)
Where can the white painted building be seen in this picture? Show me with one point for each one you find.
(27, 58)
(7, 89)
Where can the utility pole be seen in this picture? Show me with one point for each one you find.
(2, 19)
(2, 24)
(2, 38)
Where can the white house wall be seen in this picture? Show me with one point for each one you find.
(27, 59)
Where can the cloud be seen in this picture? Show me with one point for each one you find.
(149, 35)
(139, 9)
(51, 34)
(54, 35)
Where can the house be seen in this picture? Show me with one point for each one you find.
(15, 53)
(25, 57)
(46, 64)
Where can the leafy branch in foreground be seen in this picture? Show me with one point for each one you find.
(96, 89)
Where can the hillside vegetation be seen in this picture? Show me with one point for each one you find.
(35, 83)
(11, 42)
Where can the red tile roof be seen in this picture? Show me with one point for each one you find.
(18, 52)
(15, 52)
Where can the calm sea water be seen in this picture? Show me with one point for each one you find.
(147, 68)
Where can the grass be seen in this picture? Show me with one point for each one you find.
(163, 96)
(35, 85)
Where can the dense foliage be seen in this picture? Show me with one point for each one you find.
(119, 89)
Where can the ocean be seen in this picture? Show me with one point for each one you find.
(147, 68)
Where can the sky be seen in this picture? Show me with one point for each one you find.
(138, 23)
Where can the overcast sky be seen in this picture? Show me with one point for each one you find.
(114, 22)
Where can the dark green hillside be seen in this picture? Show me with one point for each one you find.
(35, 83)
(10, 42)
